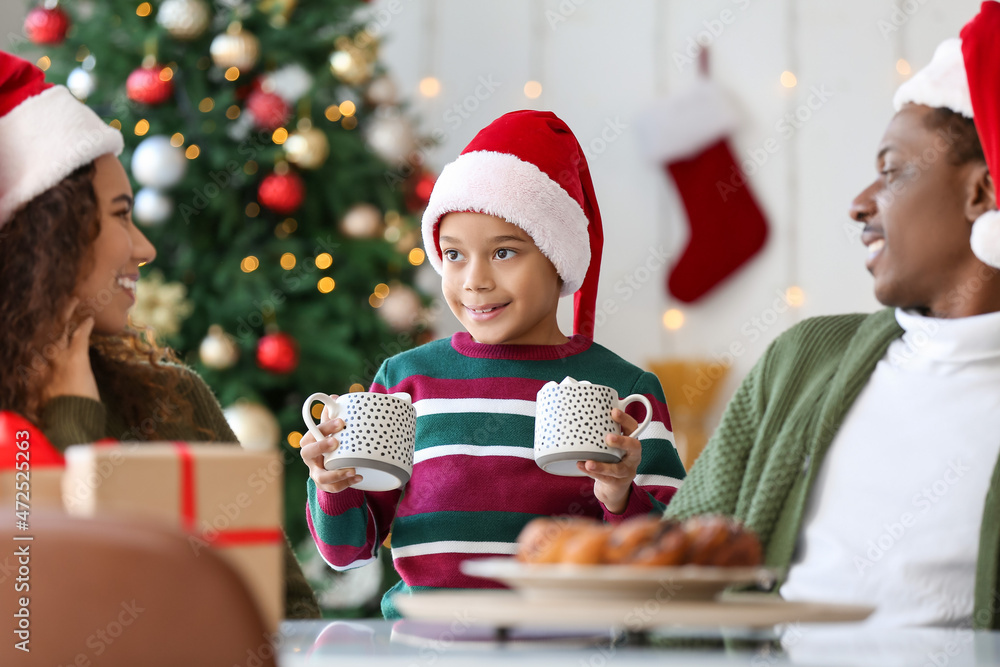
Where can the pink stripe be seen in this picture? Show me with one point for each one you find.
(660, 412)
(338, 554)
(422, 386)
(490, 483)
(441, 570)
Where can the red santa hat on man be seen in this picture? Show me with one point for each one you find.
(45, 134)
(527, 168)
(964, 76)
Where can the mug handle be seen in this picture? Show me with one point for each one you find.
(329, 402)
(624, 403)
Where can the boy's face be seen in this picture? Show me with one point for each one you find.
(497, 282)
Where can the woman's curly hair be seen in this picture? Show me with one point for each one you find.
(45, 251)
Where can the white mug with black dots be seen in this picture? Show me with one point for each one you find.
(571, 420)
(378, 438)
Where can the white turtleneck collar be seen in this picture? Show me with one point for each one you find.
(934, 340)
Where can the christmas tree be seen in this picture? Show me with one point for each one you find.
(278, 178)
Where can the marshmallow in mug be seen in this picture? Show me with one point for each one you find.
(572, 419)
(378, 438)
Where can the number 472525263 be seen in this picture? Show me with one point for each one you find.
(22, 478)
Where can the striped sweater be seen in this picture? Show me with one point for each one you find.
(475, 483)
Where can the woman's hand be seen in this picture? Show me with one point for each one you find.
(331, 481)
(613, 481)
(71, 372)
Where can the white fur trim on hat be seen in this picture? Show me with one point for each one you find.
(986, 238)
(683, 125)
(43, 140)
(503, 185)
(942, 83)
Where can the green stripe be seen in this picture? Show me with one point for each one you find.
(461, 526)
(389, 609)
(349, 528)
(438, 359)
(660, 458)
(482, 429)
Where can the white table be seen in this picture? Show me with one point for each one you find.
(373, 643)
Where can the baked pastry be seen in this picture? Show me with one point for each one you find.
(706, 535)
(586, 546)
(669, 548)
(710, 540)
(630, 536)
(721, 541)
(542, 540)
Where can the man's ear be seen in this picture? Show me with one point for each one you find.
(980, 193)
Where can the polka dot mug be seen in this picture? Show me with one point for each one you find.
(377, 440)
(571, 420)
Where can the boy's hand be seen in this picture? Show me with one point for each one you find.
(331, 481)
(613, 481)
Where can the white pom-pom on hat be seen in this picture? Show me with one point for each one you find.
(986, 238)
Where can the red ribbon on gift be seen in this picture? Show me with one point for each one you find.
(189, 503)
(40, 450)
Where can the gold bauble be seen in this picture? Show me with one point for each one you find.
(254, 425)
(184, 19)
(391, 136)
(362, 221)
(217, 349)
(401, 309)
(235, 48)
(307, 148)
(280, 7)
(352, 65)
(408, 241)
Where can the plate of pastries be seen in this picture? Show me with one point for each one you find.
(694, 559)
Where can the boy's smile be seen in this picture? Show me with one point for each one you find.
(497, 282)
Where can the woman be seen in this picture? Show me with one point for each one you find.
(69, 262)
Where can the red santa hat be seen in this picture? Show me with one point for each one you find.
(45, 134)
(528, 168)
(964, 76)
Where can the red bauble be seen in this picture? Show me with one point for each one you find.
(418, 191)
(278, 353)
(145, 86)
(282, 193)
(269, 110)
(46, 26)
(16, 429)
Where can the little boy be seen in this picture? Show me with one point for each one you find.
(511, 226)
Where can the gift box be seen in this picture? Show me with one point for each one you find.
(227, 499)
(30, 467)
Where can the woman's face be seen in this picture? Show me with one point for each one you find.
(107, 291)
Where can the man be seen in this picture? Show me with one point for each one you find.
(863, 448)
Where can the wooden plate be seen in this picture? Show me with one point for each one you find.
(630, 582)
(511, 610)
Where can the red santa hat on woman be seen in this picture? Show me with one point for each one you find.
(964, 76)
(527, 168)
(45, 134)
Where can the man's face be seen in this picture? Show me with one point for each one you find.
(916, 228)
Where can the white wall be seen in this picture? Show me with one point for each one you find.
(12, 13)
(601, 61)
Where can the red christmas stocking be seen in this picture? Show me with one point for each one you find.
(688, 134)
